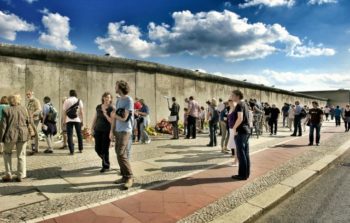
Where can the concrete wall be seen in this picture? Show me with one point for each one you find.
(339, 97)
(54, 73)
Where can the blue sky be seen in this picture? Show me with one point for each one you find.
(292, 44)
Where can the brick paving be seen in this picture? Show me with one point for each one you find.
(183, 197)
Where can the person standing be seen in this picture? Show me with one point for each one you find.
(185, 121)
(315, 119)
(231, 117)
(15, 131)
(101, 126)
(174, 111)
(337, 116)
(193, 110)
(225, 129)
(347, 118)
(136, 136)
(144, 122)
(241, 130)
(221, 107)
(63, 127)
(74, 116)
(202, 118)
(291, 116)
(213, 117)
(3, 105)
(121, 129)
(331, 112)
(49, 123)
(297, 119)
(274, 114)
(34, 109)
(285, 110)
(267, 114)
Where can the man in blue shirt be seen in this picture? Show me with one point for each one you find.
(122, 127)
(337, 115)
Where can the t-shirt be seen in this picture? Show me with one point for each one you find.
(68, 103)
(285, 109)
(128, 104)
(2, 107)
(46, 108)
(102, 124)
(327, 110)
(315, 115)
(193, 109)
(243, 128)
(267, 111)
(274, 113)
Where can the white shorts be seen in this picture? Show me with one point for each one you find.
(231, 141)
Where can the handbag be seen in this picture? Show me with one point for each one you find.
(172, 118)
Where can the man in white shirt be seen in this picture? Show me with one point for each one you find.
(73, 116)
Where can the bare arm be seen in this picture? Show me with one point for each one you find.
(113, 118)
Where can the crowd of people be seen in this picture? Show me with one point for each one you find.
(126, 122)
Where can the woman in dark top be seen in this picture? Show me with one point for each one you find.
(231, 122)
(347, 118)
(101, 127)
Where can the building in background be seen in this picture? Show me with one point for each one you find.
(339, 97)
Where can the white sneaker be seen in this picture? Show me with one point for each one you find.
(148, 141)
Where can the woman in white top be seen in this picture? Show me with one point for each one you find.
(291, 115)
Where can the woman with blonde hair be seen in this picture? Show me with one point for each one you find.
(15, 130)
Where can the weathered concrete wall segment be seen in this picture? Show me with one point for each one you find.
(54, 73)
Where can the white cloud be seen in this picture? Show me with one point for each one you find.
(268, 3)
(297, 81)
(321, 2)
(57, 31)
(31, 1)
(10, 24)
(219, 34)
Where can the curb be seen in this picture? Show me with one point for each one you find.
(261, 203)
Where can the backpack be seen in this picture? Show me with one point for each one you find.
(52, 115)
(215, 116)
(303, 113)
(72, 110)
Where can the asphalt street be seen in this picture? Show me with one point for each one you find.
(325, 199)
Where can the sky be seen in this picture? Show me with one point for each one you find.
(295, 45)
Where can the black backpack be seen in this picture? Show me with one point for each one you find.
(215, 116)
(303, 113)
(52, 115)
(72, 111)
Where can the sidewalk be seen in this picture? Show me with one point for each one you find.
(183, 197)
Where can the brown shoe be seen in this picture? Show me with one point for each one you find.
(6, 178)
(18, 179)
(129, 183)
(121, 181)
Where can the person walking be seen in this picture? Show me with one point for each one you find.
(49, 127)
(331, 112)
(144, 122)
(74, 116)
(34, 109)
(291, 116)
(213, 117)
(297, 119)
(315, 119)
(274, 115)
(15, 130)
(337, 116)
(121, 130)
(326, 112)
(224, 128)
(174, 111)
(231, 117)
(3, 105)
(347, 118)
(101, 126)
(193, 111)
(241, 130)
(267, 114)
(285, 111)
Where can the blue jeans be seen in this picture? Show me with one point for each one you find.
(314, 127)
(242, 144)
